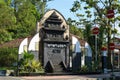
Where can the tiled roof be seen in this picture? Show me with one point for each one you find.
(82, 42)
(117, 45)
(14, 43)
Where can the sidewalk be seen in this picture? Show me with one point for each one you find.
(73, 77)
(63, 77)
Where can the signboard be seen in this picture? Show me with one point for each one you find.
(103, 48)
(95, 30)
(110, 14)
(112, 46)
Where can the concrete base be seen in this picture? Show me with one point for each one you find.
(6, 72)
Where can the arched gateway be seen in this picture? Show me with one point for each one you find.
(54, 43)
(55, 47)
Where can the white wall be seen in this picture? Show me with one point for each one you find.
(89, 51)
(23, 45)
(76, 44)
(33, 41)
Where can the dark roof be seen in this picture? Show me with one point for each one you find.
(117, 46)
(117, 38)
(82, 42)
(14, 43)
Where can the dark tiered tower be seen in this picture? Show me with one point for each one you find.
(55, 55)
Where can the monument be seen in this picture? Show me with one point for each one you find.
(54, 52)
(51, 45)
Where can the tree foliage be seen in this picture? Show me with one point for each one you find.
(8, 56)
(74, 29)
(94, 12)
(7, 21)
(25, 13)
(18, 18)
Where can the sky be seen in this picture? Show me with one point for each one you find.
(63, 6)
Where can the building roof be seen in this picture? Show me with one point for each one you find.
(14, 43)
(82, 42)
(117, 44)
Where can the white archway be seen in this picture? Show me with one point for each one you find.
(34, 43)
(23, 46)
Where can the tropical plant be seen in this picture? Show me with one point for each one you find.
(35, 66)
(29, 64)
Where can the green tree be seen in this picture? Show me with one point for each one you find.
(84, 10)
(7, 18)
(41, 6)
(18, 18)
(25, 13)
(8, 56)
(7, 21)
(4, 36)
(74, 29)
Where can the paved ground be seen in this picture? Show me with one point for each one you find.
(73, 77)
(62, 77)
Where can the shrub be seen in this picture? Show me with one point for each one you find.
(29, 64)
(96, 66)
(84, 69)
(8, 56)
